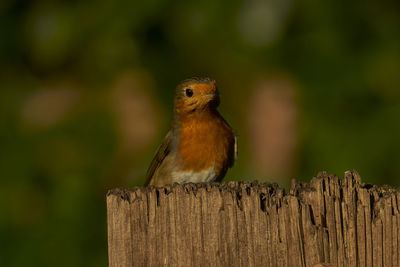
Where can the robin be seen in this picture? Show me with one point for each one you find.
(200, 145)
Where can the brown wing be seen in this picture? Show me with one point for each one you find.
(160, 155)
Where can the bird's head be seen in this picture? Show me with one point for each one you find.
(195, 95)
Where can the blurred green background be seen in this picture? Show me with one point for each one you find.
(87, 89)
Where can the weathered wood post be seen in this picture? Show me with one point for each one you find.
(331, 220)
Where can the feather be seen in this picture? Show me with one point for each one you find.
(160, 155)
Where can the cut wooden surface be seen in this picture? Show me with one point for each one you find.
(329, 220)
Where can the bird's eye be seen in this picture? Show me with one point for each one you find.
(189, 92)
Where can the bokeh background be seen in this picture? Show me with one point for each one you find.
(87, 89)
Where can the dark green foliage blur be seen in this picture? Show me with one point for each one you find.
(87, 89)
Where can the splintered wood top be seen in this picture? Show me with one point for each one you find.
(329, 220)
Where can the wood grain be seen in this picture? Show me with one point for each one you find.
(328, 221)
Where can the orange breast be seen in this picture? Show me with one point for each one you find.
(205, 141)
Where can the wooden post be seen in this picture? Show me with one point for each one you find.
(329, 220)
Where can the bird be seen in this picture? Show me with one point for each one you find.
(200, 145)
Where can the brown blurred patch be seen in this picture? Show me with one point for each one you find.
(48, 105)
(138, 119)
(135, 110)
(272, 117)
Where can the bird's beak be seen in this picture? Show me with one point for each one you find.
(212, 97)
(214, 94)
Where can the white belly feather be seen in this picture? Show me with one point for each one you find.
(194, 177)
